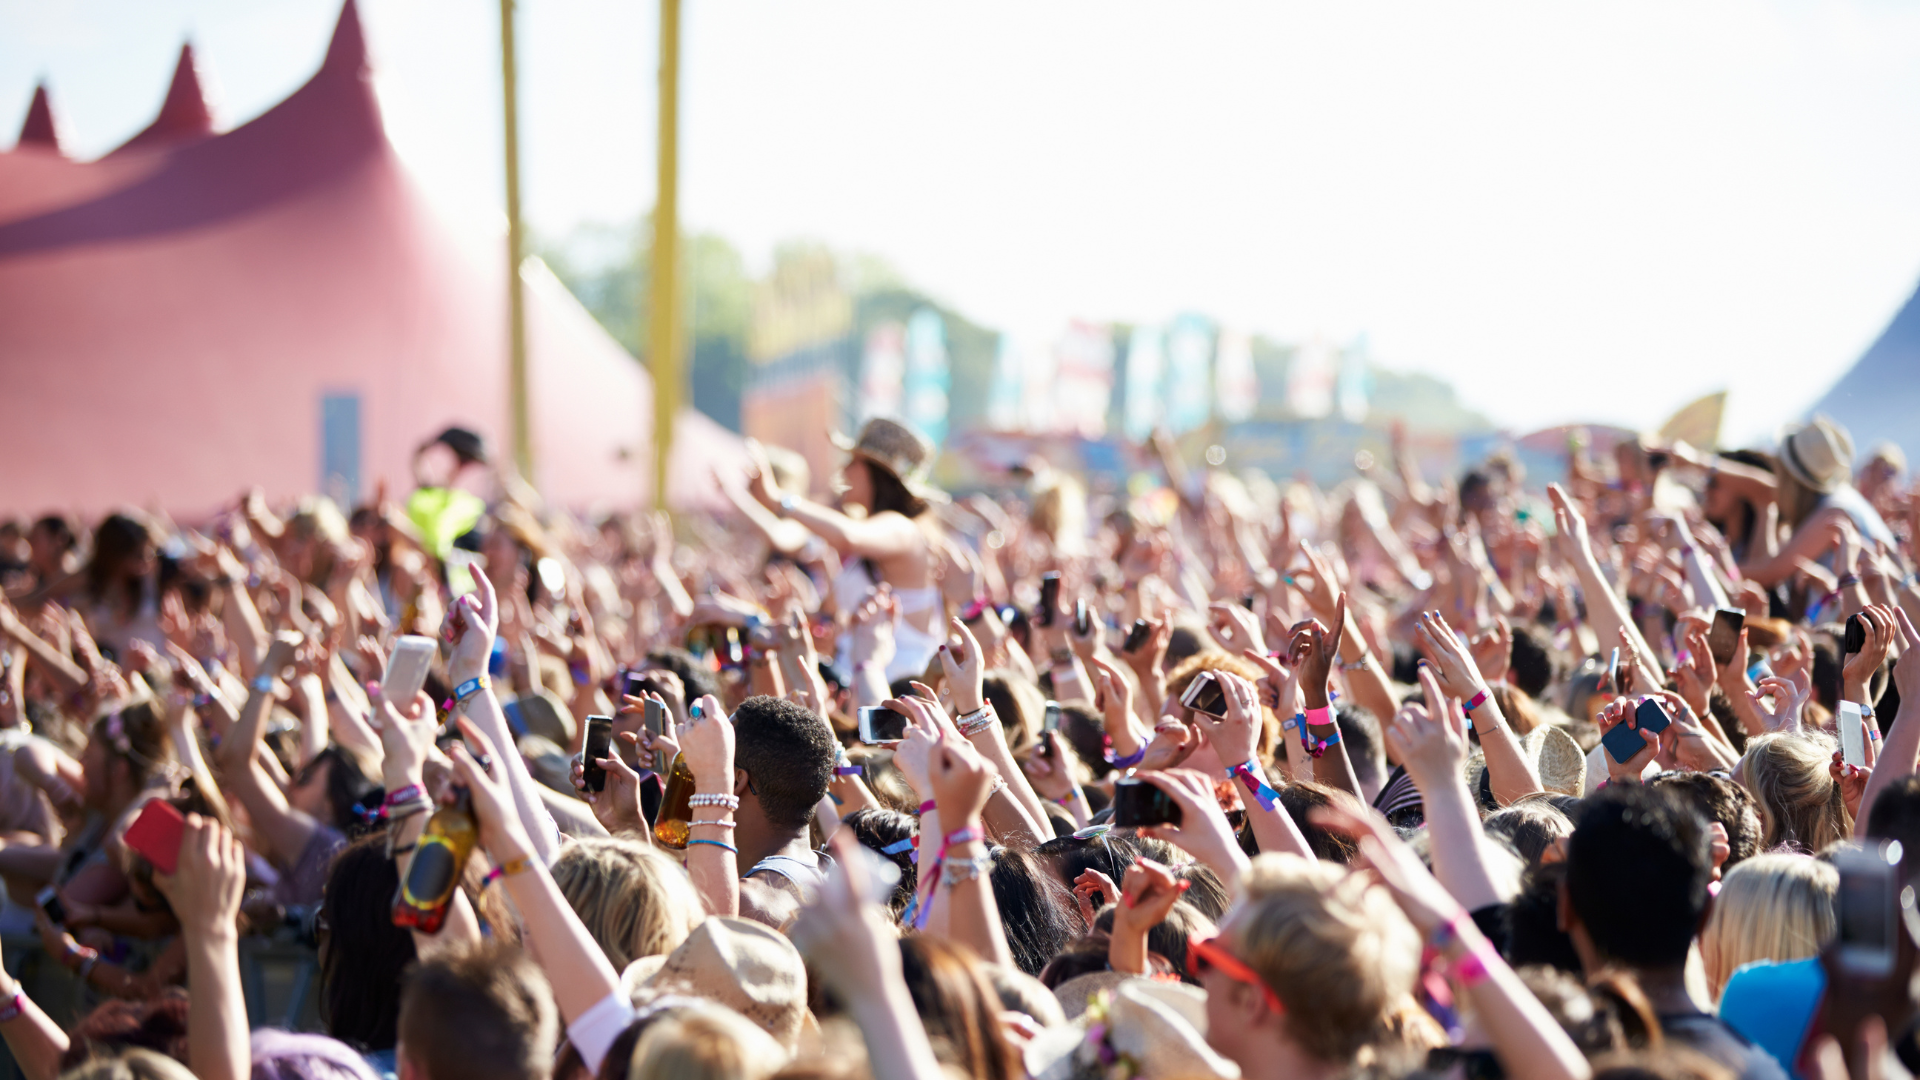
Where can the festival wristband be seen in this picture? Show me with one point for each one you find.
(471, 687)
(1479, 699)
(1256, 783)
(927, 807)
(1320, 717)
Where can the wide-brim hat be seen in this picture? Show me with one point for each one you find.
(1818, 453)
(900, 450)
(752, 969)
(1161, 1027)
(1557, 759)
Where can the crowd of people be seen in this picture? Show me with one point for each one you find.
(1208, 776)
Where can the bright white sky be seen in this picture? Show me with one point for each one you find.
(1587, 211)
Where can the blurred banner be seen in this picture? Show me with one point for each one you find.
(1356, 382)
(1083, 379)
(1143, 401)
(1237, 389)
(1189, 383)
(802, 304)
(883, 372)
(1310, 380)
(928, 378)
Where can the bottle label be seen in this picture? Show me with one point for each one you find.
(430, 875)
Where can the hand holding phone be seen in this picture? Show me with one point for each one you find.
(1137, 803)
(881, 726)
(599, 743)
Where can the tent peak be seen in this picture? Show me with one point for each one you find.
(184, 115)
(39, 130)
(347, 52)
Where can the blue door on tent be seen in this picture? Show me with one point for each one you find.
(340, 449)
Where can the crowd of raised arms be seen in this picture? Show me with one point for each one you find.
(1212, 776)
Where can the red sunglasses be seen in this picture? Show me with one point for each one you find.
(1203, 953)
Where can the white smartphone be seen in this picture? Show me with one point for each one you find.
(1853, 734)
(1867, 907)
(407, 668)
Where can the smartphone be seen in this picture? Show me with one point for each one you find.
(155, 834)
(1612, 685)
(49, 901)
(1868, 909)
(880, 725)
(599, 742)
(1623, 742)
(1052, 721)
(1856, 634)
(1136, 803)
(1137, 636)
(1049, 599)
(1853, 734)
(656, 718)
(1205, 694)
(407, 668)
(1724, 636)
(635, 685)
(1247, 601)
(1082, 619)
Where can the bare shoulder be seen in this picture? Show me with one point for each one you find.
(769, 898)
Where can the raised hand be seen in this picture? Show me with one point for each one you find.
(406, 737)
(1696, 673)
(471, 624)
(205, 888)
(1203, 831)
(962, 781)
(1236, 736)
(961, 659)
(1430, 740)
(1312, 649)
(1787, 698)
(1492, 649)
(1452, 663)
(1235, 628)
(1860, 667)
(1093, 883)
(617, 806)
(501, 833)
(707, 742)
(1148, 892)
(1621, 711)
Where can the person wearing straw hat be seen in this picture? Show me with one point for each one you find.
(883, 532)
(1814, 490)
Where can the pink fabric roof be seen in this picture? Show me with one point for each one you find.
(172, 314)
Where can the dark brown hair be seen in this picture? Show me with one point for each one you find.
(959, 1008)
(479, 1012)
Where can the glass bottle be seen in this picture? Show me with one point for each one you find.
(433, 876)
(674, 821)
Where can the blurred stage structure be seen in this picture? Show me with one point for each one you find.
(195, 313)
(1879, 397)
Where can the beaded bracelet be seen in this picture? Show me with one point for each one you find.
(731, 802)
(725, 823)
(958, 870)
(977, 721)
(506, 869)
(14, 1008)
(715, 843)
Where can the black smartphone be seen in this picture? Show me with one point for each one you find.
(1137, 636)
(1724, 635)
(1082, 619)
(1205, 694)
(879, 725)
(1049, 599)
(1136, 803)
(1247, 601)
(599, 741)
(637, 685)
(49, 900)
(1856, 634)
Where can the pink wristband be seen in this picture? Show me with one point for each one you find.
(1322, 716)
(927, 807)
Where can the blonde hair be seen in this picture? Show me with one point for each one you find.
(1770, 907)
(1800, 805)
(1332, 945)
(130, 1064)
(705, 1041)
(634, 900)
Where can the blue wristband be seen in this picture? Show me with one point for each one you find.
(471, 687)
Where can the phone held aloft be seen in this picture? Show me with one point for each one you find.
(1137, 636)
(1867, 908)
(1623, 742)
(1049, 599)
(880, 725)
(426, 892)
(1205, 695)
(599, 742)
(1137, 803)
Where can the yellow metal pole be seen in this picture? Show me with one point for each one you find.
(663, 308)
(516, 244)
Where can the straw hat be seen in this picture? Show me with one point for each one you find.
(1159, 1027)
(752, 969)
(1557, 758)
(900, 450)
(1818, 453)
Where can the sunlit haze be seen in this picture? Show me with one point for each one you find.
(1571, 211)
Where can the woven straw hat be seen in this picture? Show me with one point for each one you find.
(1161, 1027)
(1557, 758)
(752, 969)
(900, 450)
(1818, 453)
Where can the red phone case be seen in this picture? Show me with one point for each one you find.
(156, 833)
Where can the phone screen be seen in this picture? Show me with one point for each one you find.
(1853, 736)
(599, 740)
(1856, 638)
(1136, 802)
(49, 901)
(1049, 599)
(879, 724)
(1052, 721)
(1137, 636)
(1613, 673)
(1205, 694)
(656, 718)
(1724, 636)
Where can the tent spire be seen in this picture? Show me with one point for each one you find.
(184, 115)
(348, 50)
(39, 130)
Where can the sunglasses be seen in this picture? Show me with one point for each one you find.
(1204, 954)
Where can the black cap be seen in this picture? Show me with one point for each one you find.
(465, 444)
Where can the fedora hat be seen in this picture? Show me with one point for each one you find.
(752, 969)
(900, 450)
(1159, 1028)
(1818, 453)
(1557, 759)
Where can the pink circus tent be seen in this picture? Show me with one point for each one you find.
(195, 313)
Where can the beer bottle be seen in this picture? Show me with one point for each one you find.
(438, 861)
(674, 820)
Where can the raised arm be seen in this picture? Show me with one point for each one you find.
(1605, 609)
(285, 828)
(205, 893)
(1235, 740)
(1901, 748)
(1312, 648)
(1432, 743)
(960, 867)
(473, 621)
(1509, 772)
(960, 658)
